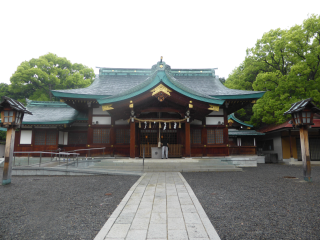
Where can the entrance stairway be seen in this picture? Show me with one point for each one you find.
(165, 165)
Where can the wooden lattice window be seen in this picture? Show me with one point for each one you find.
(123, 136)
(170, 136)
(148, 136)
(101, 135)
(51, 138)
(45, 137)
(196, 136)
(215, 136)
(39, 137)
(77, 138)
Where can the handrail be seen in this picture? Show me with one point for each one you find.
(85, 149)
(60, 153)
(51, 153)
(67, 153)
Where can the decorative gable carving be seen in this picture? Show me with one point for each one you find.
(161, 92)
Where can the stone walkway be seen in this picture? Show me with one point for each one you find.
(159, 206)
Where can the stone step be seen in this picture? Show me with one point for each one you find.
(183, 170)
(161, 166)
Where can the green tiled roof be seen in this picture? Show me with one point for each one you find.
(152, 81)
(235, 132)
(51, 113)
(231, 116)
(113, 85)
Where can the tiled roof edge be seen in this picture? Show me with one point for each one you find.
(231, 116)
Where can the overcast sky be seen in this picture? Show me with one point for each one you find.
(134, 34)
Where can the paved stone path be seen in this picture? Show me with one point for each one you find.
(159, 206)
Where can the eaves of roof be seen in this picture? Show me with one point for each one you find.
(231, 116)
(286, 125)
(74, 95)
(234, 132)
(242, 96)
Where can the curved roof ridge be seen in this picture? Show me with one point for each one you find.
(178, 84)
(226, 88)
(233, 117)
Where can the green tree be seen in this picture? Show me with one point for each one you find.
(36, 78)
(285, 64)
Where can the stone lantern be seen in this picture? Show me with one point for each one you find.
(302, 118)
(12, 113)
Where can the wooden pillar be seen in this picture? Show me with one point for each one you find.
(112, 136)
(132, 139)
(304, 140)
(8, 156)
(187, 140)
(290, 142)
(204, 140)
(226, 131)
(90, 129)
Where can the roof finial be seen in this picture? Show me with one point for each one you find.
(161, 59)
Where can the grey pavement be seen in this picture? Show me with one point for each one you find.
(159, 206)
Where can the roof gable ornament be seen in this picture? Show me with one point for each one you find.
(213, 107)
(107, 107)
(161, 92)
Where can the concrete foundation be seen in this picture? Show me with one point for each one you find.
(244, 160)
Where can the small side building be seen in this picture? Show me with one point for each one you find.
(282, 142)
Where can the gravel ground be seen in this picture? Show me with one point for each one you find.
(259, 203)
(49, 207)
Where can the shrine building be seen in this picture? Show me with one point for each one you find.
(126, 110)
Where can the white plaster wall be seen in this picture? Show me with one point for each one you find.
(65, 138)
(26, 137)
(2, 147)
(220, 112)
(60, 137)
(214, 120)
(98, 111)
(121, 122)
(196, 122)
(102, 120)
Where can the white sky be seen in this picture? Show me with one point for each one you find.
(134, 34)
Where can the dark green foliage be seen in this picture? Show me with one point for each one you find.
(35, 78)
(285, 64)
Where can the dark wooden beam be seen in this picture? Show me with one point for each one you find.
(160, 109)
(187, 140)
